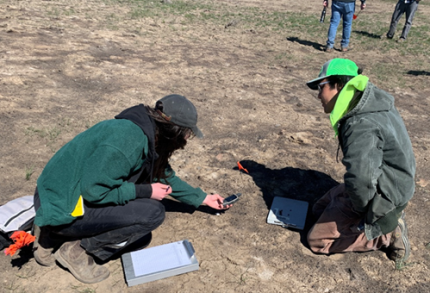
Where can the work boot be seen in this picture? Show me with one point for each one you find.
(387, 36)
(43, 246)
(345, 49)
(328, 49)
(73, 257)
(400, 249)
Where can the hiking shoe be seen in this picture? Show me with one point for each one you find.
(345, 49)
(400, 247)
(328, 49)
(82, 266)
(43, 247)
(386, 37)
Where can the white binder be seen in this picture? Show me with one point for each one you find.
(288, 213)
(159, 262)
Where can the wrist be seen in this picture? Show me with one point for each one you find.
(205, 200)
(143, 190)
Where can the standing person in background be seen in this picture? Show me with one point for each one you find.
(341, 9)
(100, 194)
(366, 212)
(403, 6)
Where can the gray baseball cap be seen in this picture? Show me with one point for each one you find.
(181, 111)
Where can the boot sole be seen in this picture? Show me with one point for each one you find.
(66, 264)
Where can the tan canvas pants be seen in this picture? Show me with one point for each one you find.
(337, 227)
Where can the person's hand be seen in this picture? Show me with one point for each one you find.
(160, 191)
(325, 3)
(363, 5)
(215, 202)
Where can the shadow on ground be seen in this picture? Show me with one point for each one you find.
(418, 72)
(25, 254)
(306, 185)
(294, 183)
(367, 34)
(175, 206)
(317, 46)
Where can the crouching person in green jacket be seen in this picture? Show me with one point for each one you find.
(366, 212)
(100, 194)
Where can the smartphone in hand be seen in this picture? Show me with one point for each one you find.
(231, 199)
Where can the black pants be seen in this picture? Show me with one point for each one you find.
(106, 230)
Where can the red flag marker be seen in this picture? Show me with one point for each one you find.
(241, 167)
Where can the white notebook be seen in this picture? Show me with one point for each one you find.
(159, 262)
(288, 213)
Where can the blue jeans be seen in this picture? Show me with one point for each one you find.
(338, 10)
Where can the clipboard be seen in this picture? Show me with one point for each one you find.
(159, 262)
(288, 213)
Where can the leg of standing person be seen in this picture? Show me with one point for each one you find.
(410, 13)
(337, 229)
(336, 14)
(348, 13)
(397, 14)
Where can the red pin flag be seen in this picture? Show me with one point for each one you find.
(241, 167)
(356, 15)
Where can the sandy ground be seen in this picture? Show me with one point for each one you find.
(65, 65)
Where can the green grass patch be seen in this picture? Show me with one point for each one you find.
(29, 170)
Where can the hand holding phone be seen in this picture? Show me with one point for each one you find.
(231, 199)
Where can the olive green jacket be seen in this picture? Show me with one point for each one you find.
(379, 160)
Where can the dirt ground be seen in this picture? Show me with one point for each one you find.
(65, 65)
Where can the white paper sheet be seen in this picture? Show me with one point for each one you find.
(160, 258)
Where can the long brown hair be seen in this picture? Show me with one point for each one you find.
(169, 137)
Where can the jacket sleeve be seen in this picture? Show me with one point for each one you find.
(184, 192)
(362, 156)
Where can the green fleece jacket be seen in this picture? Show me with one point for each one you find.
(378, 156)
(97, 164)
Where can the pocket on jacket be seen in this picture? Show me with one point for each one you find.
(379, 207)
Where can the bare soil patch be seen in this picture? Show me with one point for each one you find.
(66, 65)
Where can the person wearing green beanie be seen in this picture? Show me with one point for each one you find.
(366, 212)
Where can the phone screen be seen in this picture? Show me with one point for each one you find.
(230, 198)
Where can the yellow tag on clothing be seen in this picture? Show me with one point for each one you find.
(79, 208)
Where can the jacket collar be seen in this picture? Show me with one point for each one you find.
(345, 96)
